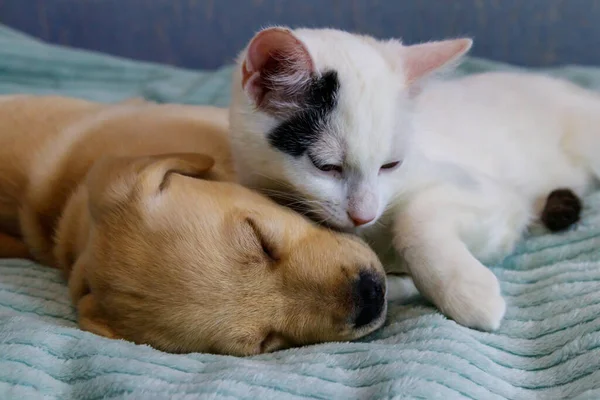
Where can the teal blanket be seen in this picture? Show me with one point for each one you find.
(547, 348)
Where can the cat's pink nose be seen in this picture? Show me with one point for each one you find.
(359, 220)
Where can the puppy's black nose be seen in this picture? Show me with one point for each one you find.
(369, 298)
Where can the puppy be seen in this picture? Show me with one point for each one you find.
(137, 204)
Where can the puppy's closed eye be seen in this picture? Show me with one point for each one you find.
(266, 243)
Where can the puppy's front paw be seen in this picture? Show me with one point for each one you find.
(473, 299)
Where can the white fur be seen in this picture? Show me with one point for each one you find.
(368, 115)
(480, 155)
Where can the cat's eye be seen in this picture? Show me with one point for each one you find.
(390, 166)
(330, 168)
(325, 167)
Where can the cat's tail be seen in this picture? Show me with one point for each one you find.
(562, 209)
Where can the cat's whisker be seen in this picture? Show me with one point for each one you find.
(379, 223)
(291, 199)
(279, 182)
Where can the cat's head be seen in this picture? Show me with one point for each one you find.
(324, 116)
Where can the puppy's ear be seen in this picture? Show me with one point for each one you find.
(154, 175)
(113, 181)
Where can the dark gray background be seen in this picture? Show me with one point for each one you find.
(209, 33)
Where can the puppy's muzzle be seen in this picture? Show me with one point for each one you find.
(369, 298)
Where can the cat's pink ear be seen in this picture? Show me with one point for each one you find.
(276, 61)
(422, 59)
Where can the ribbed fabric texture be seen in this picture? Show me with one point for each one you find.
(547, 348)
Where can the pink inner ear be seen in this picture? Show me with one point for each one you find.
(422, 59)
(276, 53)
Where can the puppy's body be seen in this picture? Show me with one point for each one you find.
(50, 143)
(107, 193)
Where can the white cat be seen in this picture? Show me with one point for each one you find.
(440, 177)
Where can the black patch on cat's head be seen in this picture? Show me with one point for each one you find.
(296, 134)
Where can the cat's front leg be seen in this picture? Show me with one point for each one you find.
(443, 269)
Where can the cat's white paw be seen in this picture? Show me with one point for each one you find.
(473, 299)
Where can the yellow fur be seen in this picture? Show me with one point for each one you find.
(137, 203)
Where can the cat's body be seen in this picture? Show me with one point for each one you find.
(490, 149)
(504, 140)
(478, 155)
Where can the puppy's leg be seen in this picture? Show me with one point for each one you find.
(443, 269)
(11, 247)
(78, 286)
(91, 318)
(89, 315)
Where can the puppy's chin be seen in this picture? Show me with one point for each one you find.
(373, 327)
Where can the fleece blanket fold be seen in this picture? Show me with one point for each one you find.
(547, 348)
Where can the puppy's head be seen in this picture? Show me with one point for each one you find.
(186, 264)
